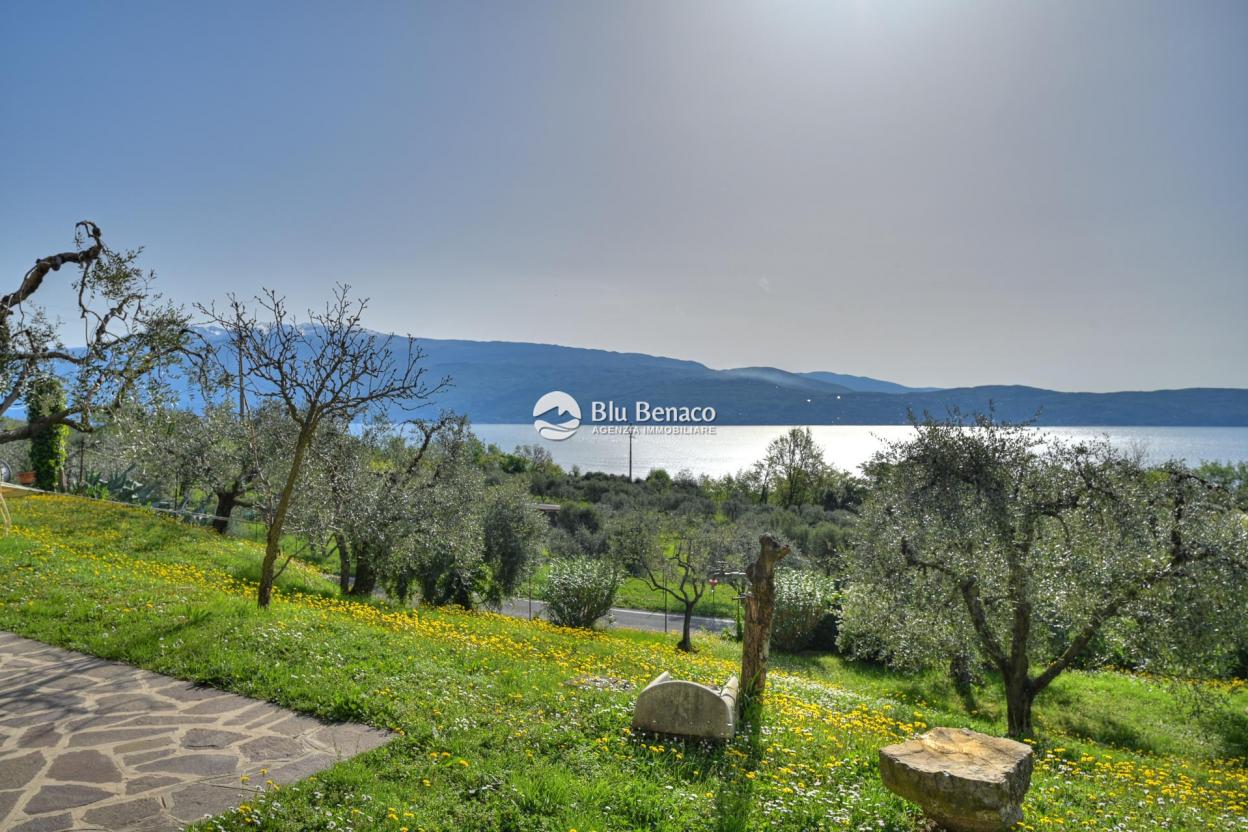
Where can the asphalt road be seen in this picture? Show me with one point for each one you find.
(620, 617)
(633, 619)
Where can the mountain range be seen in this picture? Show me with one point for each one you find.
(498, 382)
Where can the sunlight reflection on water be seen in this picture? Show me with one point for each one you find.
(732, 448)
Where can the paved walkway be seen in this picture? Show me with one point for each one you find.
(88, 744)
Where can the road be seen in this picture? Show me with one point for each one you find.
(633, 619)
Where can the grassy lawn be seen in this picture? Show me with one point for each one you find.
(493, 733)
(321, 557)
(637, 594)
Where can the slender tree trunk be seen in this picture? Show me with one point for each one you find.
(686, 642)
(273, 539)
(265, 593)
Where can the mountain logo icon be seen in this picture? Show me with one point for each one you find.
(563, 405)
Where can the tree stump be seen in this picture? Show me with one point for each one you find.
(760, 606)
(963, 780)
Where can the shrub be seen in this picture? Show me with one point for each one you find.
(804, 600)
(580, 591)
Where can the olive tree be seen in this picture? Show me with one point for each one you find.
(127, 333)
(328, 369)
(439, 538)
(205, 452)
(1024, 549)
(678, 558)
(513, 529)
(393, 490)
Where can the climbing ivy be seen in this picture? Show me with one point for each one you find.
(47, 447)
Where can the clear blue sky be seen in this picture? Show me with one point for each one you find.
(937, 193)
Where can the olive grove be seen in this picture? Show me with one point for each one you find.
(325, 370)
(1038, 555)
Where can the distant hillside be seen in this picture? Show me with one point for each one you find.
(793, 381)
(864, 384)
(499, 382)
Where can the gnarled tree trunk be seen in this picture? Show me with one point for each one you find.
(1019, 694)
(760, 606)
(365, 575)
(227, 499)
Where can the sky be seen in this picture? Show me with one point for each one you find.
(943, 194)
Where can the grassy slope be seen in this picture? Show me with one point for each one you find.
(492, 736)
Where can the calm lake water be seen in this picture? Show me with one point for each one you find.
(732, 448)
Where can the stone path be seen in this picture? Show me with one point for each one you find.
(88, 744)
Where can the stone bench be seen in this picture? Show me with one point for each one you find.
(963, 780)
(687, 709)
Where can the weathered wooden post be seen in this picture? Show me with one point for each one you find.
(760, 605)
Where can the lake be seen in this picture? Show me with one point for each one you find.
(731, 448)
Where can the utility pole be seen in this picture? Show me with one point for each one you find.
(631, 430)
(665, 568)
(242, 398)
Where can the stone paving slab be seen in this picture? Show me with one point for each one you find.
(88, 744)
